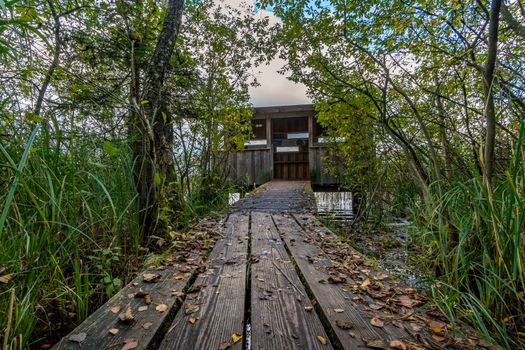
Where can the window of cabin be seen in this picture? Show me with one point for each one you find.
(259, 134)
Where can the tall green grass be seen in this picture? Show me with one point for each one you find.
(475, 236)
(68, 217)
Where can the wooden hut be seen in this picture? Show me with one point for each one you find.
(287, 145)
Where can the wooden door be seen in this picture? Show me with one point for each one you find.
(290, 148)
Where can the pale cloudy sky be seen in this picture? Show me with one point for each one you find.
(274, 89)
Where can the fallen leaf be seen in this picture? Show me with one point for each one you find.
(147, 325)
(191, 309)
(321, 339)
(147, 299)
(336, 280)
(339, 310)
(143, 308)
(376, 343)
(415, 327)
(438, 337)
(150, 277)
(236, 337)
(192, 320)
(377, 322)
(484, 344)
(374, 306)
(397, 344)
(224, 345)
(115, 309)
(344, 324)
(77, 338)
(366, 283)
(177, 294)
(436, 326)
(6, 278)
(406, 301)
(126, 317)
(180, 276)
(381, 276)
(130, 344)
(113, 331)
(161, 307)
(308, 308)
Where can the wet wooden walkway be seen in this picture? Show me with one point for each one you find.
(277, 279)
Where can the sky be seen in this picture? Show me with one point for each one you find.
(274, 89)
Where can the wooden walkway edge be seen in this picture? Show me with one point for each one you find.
(277, 279)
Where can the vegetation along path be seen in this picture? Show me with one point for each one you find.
(276, 279)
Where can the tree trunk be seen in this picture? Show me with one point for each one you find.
(490, 110)
(155, 155)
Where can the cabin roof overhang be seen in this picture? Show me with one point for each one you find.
(290, 111)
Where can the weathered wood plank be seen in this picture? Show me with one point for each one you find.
(145, 324)
(279, 318)
(336, 300)
(219, 296)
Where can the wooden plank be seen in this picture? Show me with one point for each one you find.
(278, 299)
(314, 266)
(145, 324)
(220, 296)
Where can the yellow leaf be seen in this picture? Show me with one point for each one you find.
(321, 339)
(236, 338)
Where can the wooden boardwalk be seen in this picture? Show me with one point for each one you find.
(277, 279)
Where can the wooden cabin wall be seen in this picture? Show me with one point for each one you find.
(317, 171)
(251, 166)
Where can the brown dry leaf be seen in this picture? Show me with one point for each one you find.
(377, 322)
(193, 320)
(147, 299)
(77, 338)
(436, 326)
(376, 343)
(6, 278)
(115, 309)
(131, 295)
(113, 331)
(177, 294)
(161, 307)
(415, 327)
(130, 344)
(126, 317)
(344, 324)
(397, 344)
(438, 337)
(224, 345)
(147, 325)
(413, 346)
(236, 338)
(339, 311)
(150, 277)
(366, 283)
(484, 344)
(308, 308)
(406, 301)
(143, 308)
(180, 276)
(336, 280)
(191, 309)
(398, 324)
(381, 276)
(321, 339)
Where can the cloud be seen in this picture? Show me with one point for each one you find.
(274, 89)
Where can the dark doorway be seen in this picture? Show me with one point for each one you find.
(290, 140)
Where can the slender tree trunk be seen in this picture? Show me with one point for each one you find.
(490, 110)
(157, 134)
(52, 67)
(443, 132)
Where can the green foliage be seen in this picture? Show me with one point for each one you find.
(478, 250)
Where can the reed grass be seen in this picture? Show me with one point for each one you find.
(475, 237)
